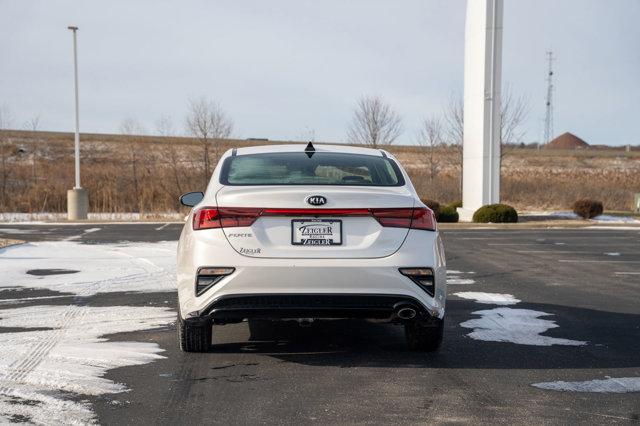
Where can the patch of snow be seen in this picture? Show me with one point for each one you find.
(14, 231)
(30, 217)
(602, 218)
(460, 281)
(520, 326)
(453, 277)
(615, 219)
(38, 368)
(25, 299)
(609, 385)
(613, 228)
(488, 298)
(566, 215)
(134, 267)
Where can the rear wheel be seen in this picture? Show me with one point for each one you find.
(425, 336)
(194, 335)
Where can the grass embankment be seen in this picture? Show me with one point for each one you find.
(146, 174)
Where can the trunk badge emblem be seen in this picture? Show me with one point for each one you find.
(316, 200)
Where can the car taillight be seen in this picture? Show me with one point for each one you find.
(226, 217)
(206, 218)
(423, 219)
(417, 218)
(230, 217)
(396, 218)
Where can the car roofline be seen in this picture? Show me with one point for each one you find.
(343, 149)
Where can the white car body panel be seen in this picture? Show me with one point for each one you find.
(366, 263)
(271, 236)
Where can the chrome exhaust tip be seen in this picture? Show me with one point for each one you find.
(305, 322)
(406, 313)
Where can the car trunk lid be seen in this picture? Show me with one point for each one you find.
(286, 225)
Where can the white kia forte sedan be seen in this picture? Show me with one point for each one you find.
(292, 233)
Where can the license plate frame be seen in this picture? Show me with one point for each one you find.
(314, 242)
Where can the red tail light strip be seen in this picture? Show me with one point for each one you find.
(230, 217)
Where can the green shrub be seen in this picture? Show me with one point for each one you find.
(456, 204)
(448, 214)
(496, 213)
(433, 205)
(587, 209)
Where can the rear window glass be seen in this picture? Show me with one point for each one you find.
(323, 168)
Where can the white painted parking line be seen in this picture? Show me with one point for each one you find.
(627, 273)
(557, 251)
(596, 261)
(516, 244)
(160, 228)
(573, 252)
(86, 231)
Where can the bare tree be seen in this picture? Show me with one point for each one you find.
(6, 122)
(453, 120)
(453, 117)
(430, 136)
(132, 128)
(308, 134)
(374, 123)
(513, 112)
(33, 124)
(164, 126)
(208, 123)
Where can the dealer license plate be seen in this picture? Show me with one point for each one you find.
(317, 232)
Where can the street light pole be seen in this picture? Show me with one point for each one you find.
(75, 81)
(77, 198)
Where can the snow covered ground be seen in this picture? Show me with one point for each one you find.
(101, 268)
(488, 298)
(603, 218)
(61, 217)
(608, 385)
(54, 355)
(509, 325)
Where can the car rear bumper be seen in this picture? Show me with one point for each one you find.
(314, 288)
(318, 306)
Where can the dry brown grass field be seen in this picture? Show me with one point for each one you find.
(147, 173)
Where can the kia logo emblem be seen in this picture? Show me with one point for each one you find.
(316, 200)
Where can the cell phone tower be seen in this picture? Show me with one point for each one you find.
(548, 119)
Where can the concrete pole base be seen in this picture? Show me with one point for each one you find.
(77, 204)
(465, 215)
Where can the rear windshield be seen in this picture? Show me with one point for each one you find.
(323, 168)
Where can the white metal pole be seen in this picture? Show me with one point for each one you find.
(77, 135)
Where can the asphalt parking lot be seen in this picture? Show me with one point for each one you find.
(543, 326)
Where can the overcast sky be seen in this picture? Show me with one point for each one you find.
(283, 68)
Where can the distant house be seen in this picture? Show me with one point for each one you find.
(567, 141)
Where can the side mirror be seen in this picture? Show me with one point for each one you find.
(190, 199)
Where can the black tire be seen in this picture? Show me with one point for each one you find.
(424, 336)
(194, 335)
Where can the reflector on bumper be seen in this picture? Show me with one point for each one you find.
(209, 276)
(421, 276)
